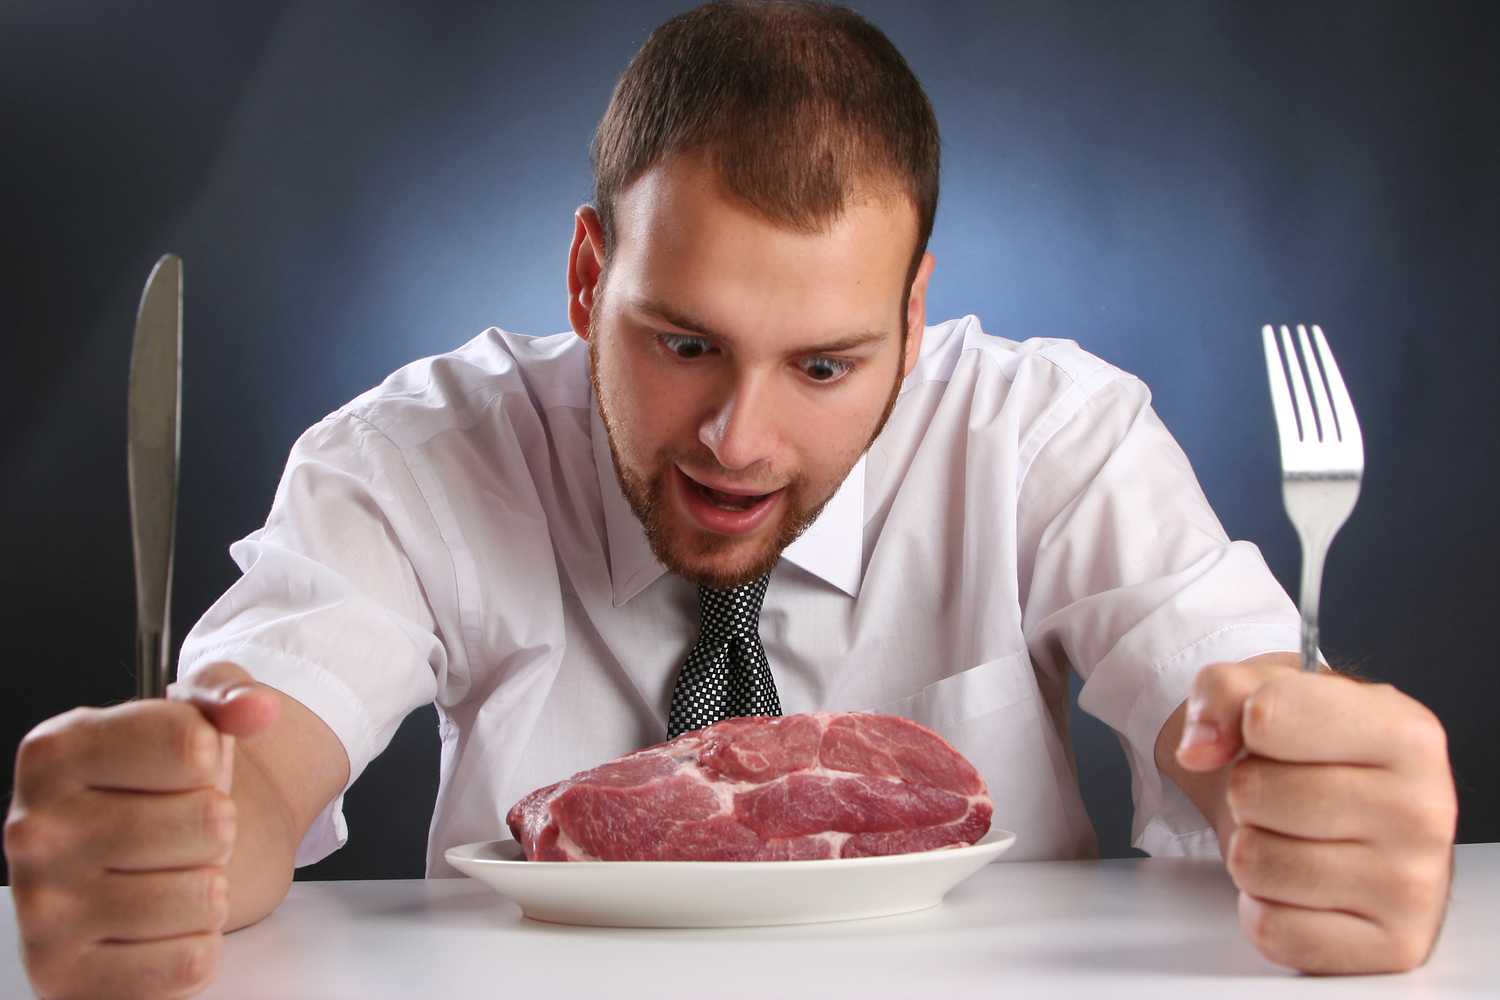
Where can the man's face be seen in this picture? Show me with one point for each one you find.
(741, 368)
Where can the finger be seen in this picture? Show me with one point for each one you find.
(152, 746)
(1211, 734)
(1378, 805)
(229, 698)
(146, 906)
(1408, 888)
(1328, 942)
(134, 831)
(1324, 718)
(1315, 874)
(124, 906)
(178, 967)
(1319, 802)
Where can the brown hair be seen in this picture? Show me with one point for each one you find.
(794, 104)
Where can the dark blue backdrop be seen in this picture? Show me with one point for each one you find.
(354, 185)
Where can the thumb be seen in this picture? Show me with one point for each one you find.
(1211, 727)
(1211, 735)
(230, 698)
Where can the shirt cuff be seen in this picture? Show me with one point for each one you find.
(327, 697)
(1167, 823)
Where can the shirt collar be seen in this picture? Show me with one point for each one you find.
(832, 547)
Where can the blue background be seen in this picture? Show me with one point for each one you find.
(355, 185)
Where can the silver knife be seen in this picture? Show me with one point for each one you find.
(155, 406)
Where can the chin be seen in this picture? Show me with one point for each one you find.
(717, 561)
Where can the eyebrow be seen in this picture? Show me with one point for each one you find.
(664, 312)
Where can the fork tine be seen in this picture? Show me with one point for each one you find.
(1343, 406)
(1327, 421)
(1299, 389)
(1281, 398)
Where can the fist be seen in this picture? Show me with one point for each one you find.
(119, 833)
(1338, 812)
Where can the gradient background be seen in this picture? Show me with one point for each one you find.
(355, 185)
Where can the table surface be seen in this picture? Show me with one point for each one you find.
(1159, 927)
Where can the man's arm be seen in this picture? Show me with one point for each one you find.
(1334, 805)
(132, 850)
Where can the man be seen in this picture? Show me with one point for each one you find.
(944, 524)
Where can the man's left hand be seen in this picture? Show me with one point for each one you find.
(1335, 808)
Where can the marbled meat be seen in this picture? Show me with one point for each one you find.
(787, 788)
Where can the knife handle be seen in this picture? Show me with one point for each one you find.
(150, 664)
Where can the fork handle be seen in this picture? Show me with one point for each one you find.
(1312, 586)
(1318, 505)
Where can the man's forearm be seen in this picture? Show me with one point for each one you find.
(283, 778)
(260, 869)
(1207, 790)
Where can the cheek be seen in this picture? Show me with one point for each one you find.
(831, 435)
(648, 409)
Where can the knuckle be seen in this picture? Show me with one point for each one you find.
(1420, 733)
(49, 747)
(45, 913)
(213, 895)
(1262, 708)
(33, 841)
(1244, 788)
(1426, 818)
(1209, 679)
(1243, 856)
(194, 744)
(218, 818)
(194, 963)
(1261, 924)
(1416, 887)
(1407, 951)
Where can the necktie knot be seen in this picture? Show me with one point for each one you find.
(733, 612)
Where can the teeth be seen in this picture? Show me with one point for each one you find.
(729, 501)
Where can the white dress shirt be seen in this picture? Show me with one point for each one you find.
(457, 535)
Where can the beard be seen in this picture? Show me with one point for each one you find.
(703, 557)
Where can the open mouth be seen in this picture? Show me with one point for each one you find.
(728, 501)
(723, 512)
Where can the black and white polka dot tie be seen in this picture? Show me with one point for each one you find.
(726, 675)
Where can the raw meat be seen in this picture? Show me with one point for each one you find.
(785, 788)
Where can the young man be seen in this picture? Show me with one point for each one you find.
(940, 524)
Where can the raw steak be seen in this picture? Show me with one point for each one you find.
(787, 788)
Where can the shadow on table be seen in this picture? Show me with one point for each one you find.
(1217, 958)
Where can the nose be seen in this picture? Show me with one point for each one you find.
(741, 428)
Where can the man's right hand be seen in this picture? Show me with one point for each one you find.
(119, 837)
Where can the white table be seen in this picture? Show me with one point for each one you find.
(1106, 930)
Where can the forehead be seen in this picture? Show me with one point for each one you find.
(681, 238)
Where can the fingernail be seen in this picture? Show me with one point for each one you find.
(233, 691)
(1197, 734)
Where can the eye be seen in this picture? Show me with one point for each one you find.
(821, 369)
(684, 346)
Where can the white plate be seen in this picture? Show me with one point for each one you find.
(722, 893)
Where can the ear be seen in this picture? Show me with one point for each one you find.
(585, 265)
(916, 312)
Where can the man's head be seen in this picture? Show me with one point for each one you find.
(752, 282)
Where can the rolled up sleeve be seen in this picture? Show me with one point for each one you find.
(330, 609)
(1135, 585)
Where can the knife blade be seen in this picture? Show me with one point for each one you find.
(154, 411)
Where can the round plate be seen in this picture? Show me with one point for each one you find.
(722, 893)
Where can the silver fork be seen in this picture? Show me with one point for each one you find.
(1322, 458)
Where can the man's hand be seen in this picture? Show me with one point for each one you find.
(1335, 808)
(120, 833)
